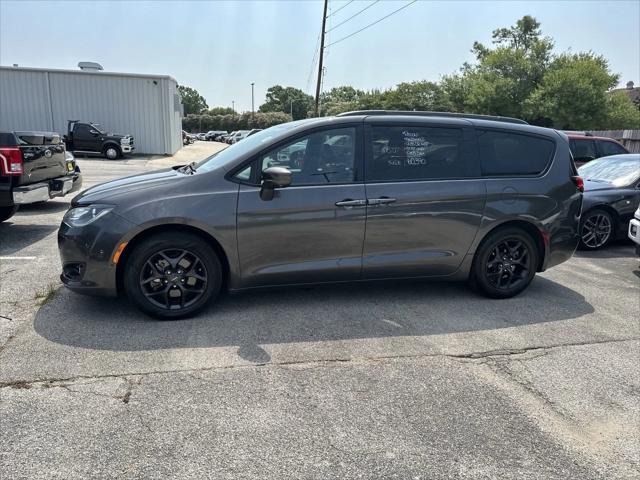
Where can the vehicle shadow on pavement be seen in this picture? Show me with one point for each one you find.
(312, 314)
(43, 208)
(14, 237)
(622, 248)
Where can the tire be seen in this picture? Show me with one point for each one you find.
(7, 212)
(597, 229)
(505, 277)
(164, 274)
(112, 152)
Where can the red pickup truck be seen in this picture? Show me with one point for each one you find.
(34, 167)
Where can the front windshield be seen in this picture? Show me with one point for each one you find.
(236, 150)
(619, 171)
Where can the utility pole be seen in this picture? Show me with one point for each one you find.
(324, 22)
(233, 106)
(291, 109)
(252, 109)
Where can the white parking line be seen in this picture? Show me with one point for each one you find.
(18, 258)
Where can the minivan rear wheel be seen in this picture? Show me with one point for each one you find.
(505, 263)
(172, 276)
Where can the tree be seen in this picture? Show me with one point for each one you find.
(221, 111)
(287, 100)
(426, 96)
(573, 93)
(504, 76)
(622, 113)
(193, 102)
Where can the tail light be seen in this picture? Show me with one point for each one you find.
(11, 161)
(579, 182)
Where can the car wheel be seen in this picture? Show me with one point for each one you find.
(596, 229)
(112, 152)
(172, 276)
(7, 212)
(505, 263)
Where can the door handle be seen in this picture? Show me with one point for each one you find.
(380, 201)
(347, 202)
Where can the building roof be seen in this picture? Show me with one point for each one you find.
(86, 72)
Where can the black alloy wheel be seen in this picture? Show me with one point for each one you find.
(172, 275)
(505, 263)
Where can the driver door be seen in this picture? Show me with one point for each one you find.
(313, 230)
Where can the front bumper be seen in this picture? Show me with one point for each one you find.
(86, 254)
(43, 191)
(127, 148)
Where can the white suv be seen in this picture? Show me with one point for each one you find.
(634, 230)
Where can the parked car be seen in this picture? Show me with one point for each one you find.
(227, 138)
(201, 136)
(239, 135)
(586, 147)
(211, 135)
(88, 138)
(219, 137)
(34, 167)
(186, 138)
(446, 196)
(611, 195)
(634, 230)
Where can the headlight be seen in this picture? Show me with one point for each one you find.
(83, 216)
(125, 141)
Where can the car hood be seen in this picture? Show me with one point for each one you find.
(107, 192)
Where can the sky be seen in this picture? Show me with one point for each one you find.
(221, 47)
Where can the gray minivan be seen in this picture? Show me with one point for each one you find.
(361, 196)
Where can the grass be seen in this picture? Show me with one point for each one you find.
(44, 296)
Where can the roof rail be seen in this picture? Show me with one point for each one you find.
(433, 114)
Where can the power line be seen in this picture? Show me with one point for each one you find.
(371, 24)
(354, 15)
(336, 11)
(313, 63)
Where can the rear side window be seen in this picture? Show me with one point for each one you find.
(507, 153)
(583, 150)
(610, 148)
(413, 153)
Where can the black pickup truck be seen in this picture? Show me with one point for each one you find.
(34, 167)
(88, 138)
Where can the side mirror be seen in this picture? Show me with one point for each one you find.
(93, 132)
(272, 178)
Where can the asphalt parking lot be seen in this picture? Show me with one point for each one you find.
(403, 380)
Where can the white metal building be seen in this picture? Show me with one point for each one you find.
(145, 106)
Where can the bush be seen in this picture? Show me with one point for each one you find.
(231, 122)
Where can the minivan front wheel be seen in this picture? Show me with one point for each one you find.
(505, 263)
(172, 276)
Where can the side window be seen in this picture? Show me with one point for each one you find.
(610, 148)
(81, 131)
(583, 150)
(415, 153)
(317, 159)
(506, 153)
(244, 175)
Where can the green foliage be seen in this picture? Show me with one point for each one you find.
(221, 111)
(622, 113)
(231, 122)
(573, 93)
(287, 100)
(193, 102)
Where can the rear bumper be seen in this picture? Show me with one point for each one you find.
(43, 191)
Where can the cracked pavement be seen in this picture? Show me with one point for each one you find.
(400, 380)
